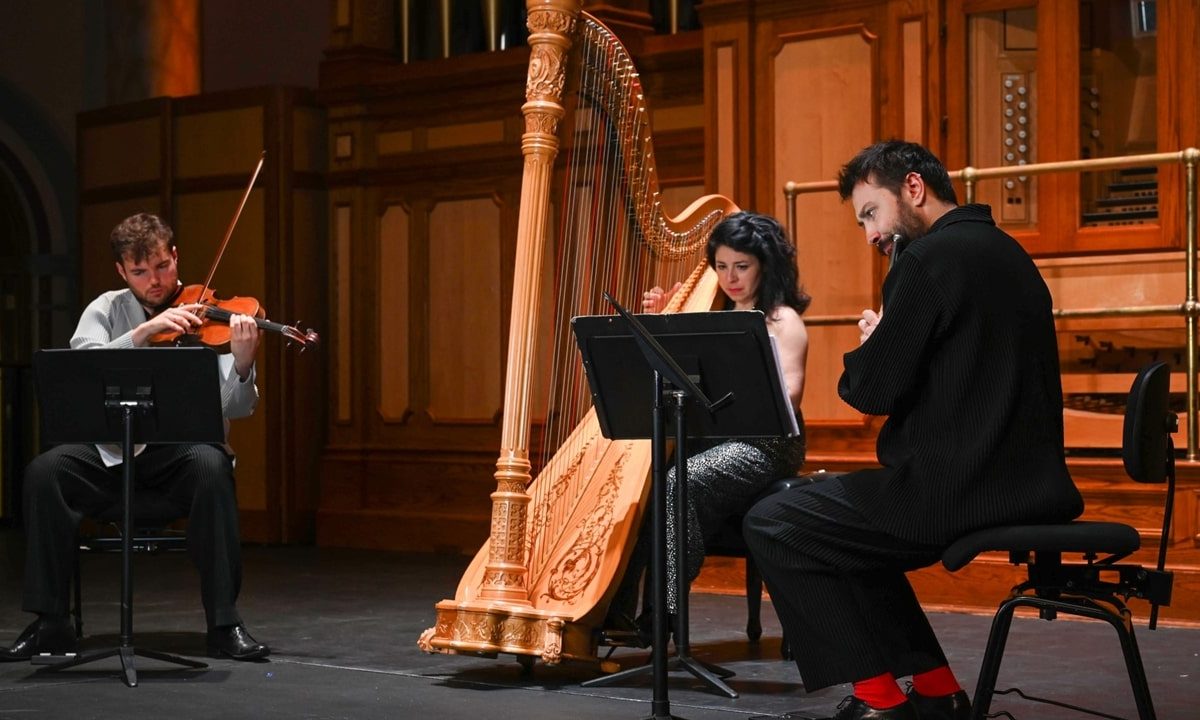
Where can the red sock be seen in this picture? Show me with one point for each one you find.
(880, 692)
(938, 682)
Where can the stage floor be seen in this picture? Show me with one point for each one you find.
(343, 626)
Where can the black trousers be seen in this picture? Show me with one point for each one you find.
(70, 482)
(839, 587)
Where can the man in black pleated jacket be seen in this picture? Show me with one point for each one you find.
(963, 361)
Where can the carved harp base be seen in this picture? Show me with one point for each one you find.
(483, 628)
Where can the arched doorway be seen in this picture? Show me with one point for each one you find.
(36, 290)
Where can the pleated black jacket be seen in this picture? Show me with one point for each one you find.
(965, 365)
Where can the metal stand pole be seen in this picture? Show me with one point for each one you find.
(126, 651)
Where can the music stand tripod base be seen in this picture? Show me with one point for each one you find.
(126, 653)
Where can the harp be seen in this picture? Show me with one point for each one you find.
(541, 585)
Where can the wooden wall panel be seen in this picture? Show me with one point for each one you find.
(726, 130)
(464, 311)
(729, 57)
(239, 131)
(394, 376)
(915, 80)
(203, 218)
(676, 198)
(343, 312)
(309, 133)
(127, 152)
(813, 140)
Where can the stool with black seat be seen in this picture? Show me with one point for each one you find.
(155, 529)
(1098, 587)
(729, 542)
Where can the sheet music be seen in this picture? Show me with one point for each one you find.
(793, 425)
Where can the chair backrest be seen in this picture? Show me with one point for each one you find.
(1148, 425)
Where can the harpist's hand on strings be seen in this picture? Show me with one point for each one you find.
(655, 299)
(866, 326)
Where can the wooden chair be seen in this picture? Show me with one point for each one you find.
(1098, 586)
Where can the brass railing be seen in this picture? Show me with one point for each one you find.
(1189, 309)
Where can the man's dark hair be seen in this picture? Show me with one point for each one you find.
(886, 164)
(763, 237)
(139, 235)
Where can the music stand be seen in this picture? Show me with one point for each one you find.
(143, 395)
(681, 358)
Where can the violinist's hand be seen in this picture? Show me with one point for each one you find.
(866, 326)
(178, 319)
(243, 343)
(655, 299)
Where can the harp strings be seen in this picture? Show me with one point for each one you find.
(609, 203)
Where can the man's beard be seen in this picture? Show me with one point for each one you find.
(164, 301)
(909, 225)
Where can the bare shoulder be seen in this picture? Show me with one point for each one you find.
(784, 321)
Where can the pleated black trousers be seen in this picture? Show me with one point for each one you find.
(70, 482)
(839, 588)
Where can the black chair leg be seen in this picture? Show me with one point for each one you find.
(753, 600)
(754, 588)
(1129, 647)
(1137, 672)
(78, 599)
(989, 670)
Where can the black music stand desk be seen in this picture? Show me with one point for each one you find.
(637, 366)
(143, 395)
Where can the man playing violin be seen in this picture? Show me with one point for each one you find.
(70, 482)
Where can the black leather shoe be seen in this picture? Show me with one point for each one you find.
(44, 635)
(233, 641)
(947, 707)
(854, 709)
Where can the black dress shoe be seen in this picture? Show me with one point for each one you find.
(233, 641)
(854, 709)
(44, 635)
(947, 707)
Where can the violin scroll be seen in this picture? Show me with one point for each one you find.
(294, 336)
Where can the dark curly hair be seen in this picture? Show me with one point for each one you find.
(139, 235)
(763, 237)
(886, 164)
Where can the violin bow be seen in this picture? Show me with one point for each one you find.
(233, 223)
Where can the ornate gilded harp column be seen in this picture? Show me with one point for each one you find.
(551, 24)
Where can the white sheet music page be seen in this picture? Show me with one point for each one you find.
(794, 427)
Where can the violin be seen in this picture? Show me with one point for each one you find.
(214, 331)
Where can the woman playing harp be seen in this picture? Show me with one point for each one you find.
(756, 269)
(558, 543)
